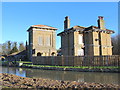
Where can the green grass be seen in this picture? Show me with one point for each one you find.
(23, 62)
(26, 63)
(16, 61)
(82, 67)
(5, 87)
(3, 62)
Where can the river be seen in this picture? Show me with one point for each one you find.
(98, 77)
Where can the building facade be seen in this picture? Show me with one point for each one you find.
(42, 41)
(79, 41)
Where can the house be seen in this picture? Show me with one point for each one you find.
(42, 41)
(79, 40)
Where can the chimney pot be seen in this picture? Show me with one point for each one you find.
(67, 17)
(101, 23)
(66, 23)
(100, 17)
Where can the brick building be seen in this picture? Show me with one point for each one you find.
(78, 40)
(42, 41)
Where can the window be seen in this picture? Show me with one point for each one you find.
(48, 40)
(80, 39)
(40, 40)
(80, 52)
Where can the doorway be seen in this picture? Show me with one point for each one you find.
(39, 54)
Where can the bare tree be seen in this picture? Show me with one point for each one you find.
(6, 48)
(119, 44)
(9, 46)
(116, 44)
(14, 49)
(21, 46)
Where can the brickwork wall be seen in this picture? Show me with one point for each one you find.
(44, 48)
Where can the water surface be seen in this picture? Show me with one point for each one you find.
(97, 77)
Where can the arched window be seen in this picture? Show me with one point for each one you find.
(53, 54)
(39, 54)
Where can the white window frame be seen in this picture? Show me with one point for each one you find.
(80, 52)
(80, 39)
(48, 43)
(40, 40)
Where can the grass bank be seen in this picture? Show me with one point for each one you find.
(111, 69)
(82, 67)
(27, 64)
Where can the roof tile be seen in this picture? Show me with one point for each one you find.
(44, 26)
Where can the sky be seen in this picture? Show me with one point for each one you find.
(17, 17)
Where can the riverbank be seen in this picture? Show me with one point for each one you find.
(112, 69)
(71, 68)
(13, 81)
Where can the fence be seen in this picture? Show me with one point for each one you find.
(113, 60)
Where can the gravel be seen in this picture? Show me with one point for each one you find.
(13, 81)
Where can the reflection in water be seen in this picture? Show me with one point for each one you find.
(14, 70)
(65, 75)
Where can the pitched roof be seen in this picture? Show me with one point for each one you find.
(74, 28)
(81, 28)
(18, 53)
(95, 27)
(44, 26)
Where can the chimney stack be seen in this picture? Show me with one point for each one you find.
(101, 23)
(26, 45)
(66, 23)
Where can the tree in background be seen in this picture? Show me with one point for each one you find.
(4, 49)
(21, 47)
(14, 49)
(119, 44)
(0, 49)
(116, 45)
(8, 47)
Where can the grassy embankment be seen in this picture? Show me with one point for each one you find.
(26, 63)
(30, 64)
